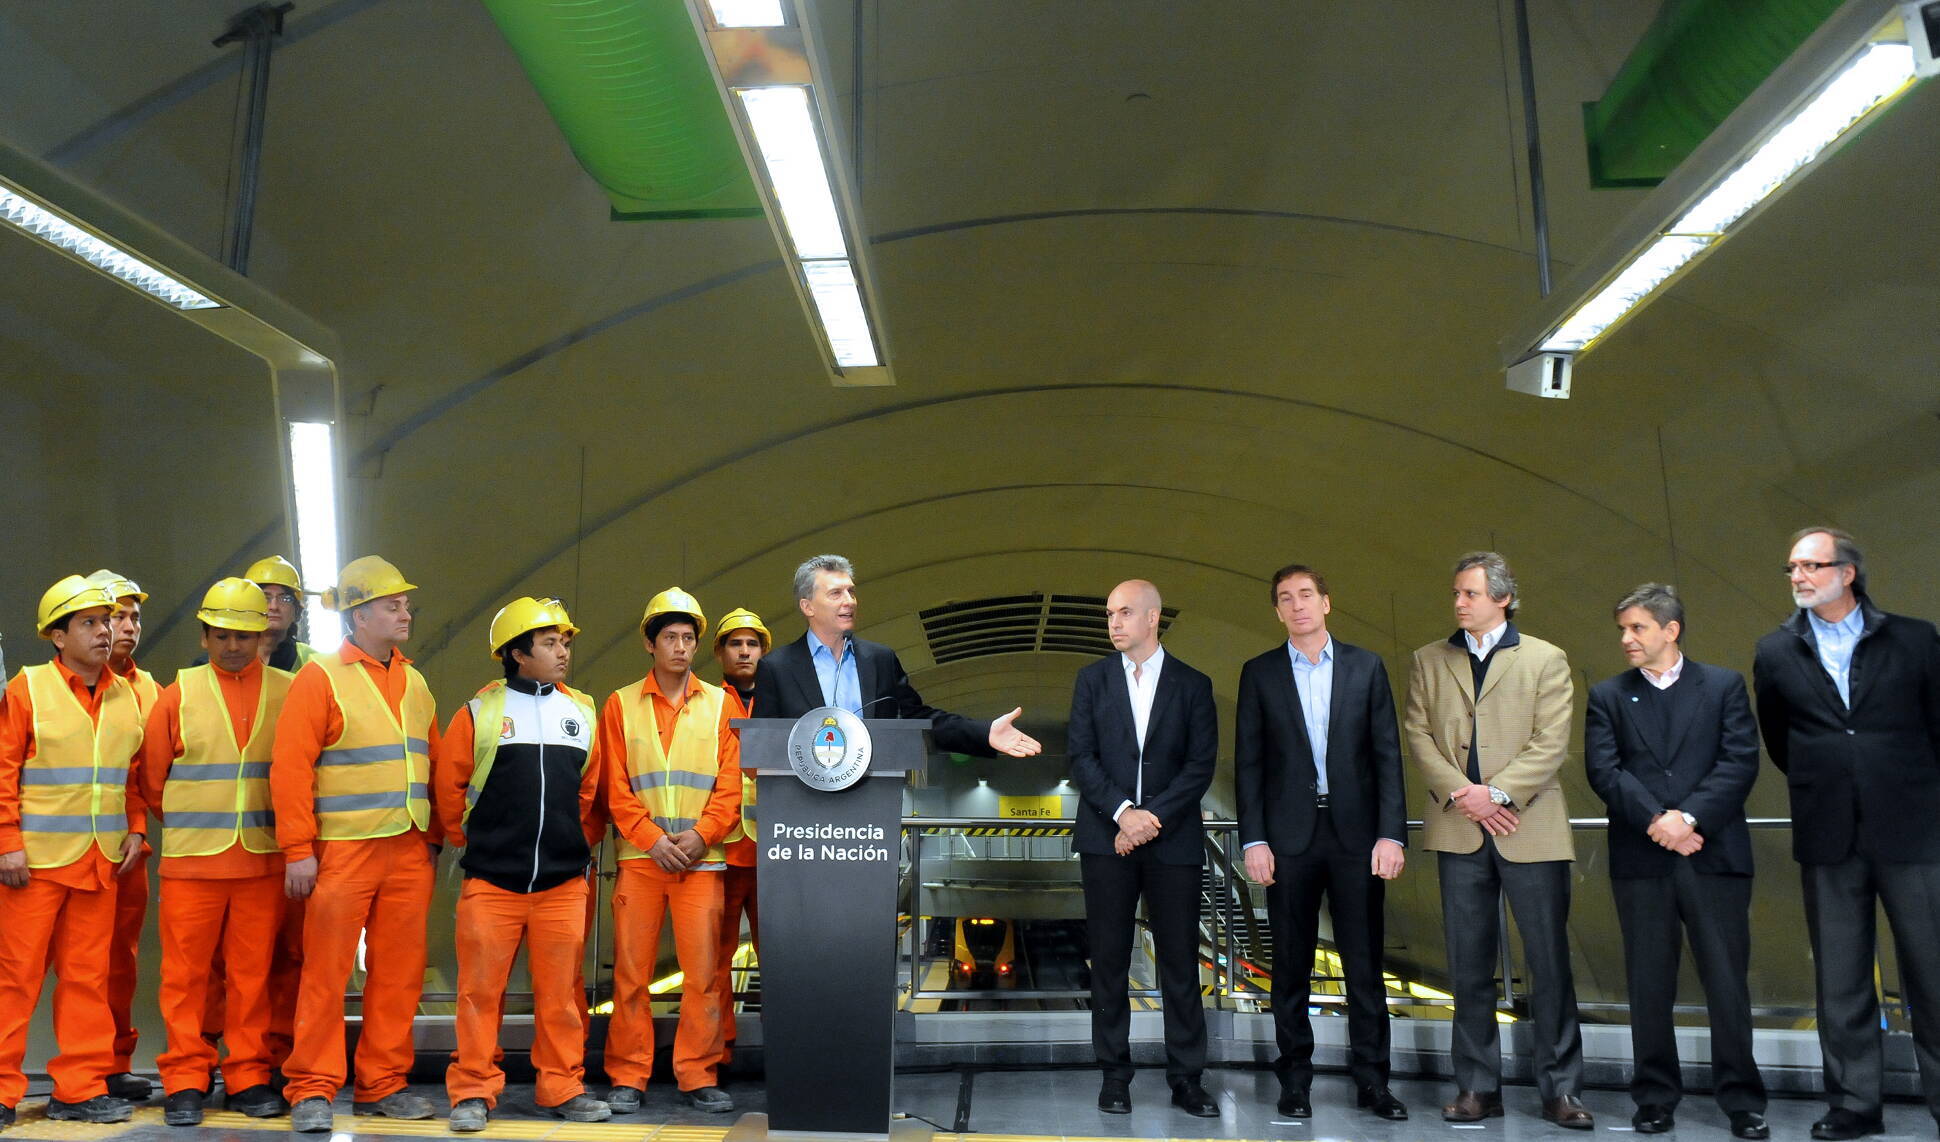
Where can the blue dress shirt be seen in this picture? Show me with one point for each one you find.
(1314, 682)
(841, 684)
(1836, 643)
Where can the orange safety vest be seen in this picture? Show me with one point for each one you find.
(217, 792)
(74, 790)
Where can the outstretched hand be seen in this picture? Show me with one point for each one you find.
(1006, 738)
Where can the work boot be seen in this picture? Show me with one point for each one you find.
(6, 1117)
(468, 1116)
(183, 1108)
(581, 1107)
(100, 1108)
(259, 1101)
(624, 1099)
(311, 1116)
(133, 1088)
(712, 1099)
(398, 1104)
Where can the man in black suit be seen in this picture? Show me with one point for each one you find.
(1849, 700)
(1144, 733)
(1317, 761)
(1671, 748)
(829, 666)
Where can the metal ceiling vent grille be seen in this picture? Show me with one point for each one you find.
(1022, 624)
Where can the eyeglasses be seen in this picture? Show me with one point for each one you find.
(1811, 567)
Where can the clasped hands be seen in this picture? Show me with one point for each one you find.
(676, 851)
(1671, 831)
(1135, 827)
(1474, 803)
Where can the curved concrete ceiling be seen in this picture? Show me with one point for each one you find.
(1180, 290)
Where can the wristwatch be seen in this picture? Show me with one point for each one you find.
(1498, 796)
(1688, 819)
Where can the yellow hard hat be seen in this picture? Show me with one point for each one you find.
(741, 618)
(524, 614)
(361, 580)
(674, 601)
(68, 596)
(118, 586)
(275, 569)
(235, 604)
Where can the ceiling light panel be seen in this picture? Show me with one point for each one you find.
(784, 130)
(110, 259)
(747, 13)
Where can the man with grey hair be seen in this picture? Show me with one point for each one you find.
(1488, 727)
(1671, 747)
(829, 666)
(1849, 701)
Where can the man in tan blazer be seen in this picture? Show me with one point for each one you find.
(1487, 724)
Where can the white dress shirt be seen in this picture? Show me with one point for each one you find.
(1142, 679)
(1665, 680)
(1481, 644)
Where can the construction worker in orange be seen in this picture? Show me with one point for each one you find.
(205, 765)
(516, 778)
(738, 646)
(673, 790)
(71, 816)
(131, 888)
(350, 775)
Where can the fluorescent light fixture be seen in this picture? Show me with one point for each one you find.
(747, 13)
(313, 477)
(784, 132)
(110, 259)
(1856, 63)
(838, 303)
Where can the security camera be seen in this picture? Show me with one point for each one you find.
(1544, 375)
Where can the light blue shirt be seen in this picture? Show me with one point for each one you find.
(1315, 683)
(841, 684)
(1836, 642)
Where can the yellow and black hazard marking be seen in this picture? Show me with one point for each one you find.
(1016, 831)
(32, 1124)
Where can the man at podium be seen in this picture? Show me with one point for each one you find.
(829, 666)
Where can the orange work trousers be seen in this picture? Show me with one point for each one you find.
(491, 924)
(381, 887)
(233, 921)
(645, 895)
(737, 896)
(42, 925)
(124, 953)
(285, 967)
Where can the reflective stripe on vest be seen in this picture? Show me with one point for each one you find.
(374, 780)
(217, 792)
(74, 790)
(673, 784)
(488, 714)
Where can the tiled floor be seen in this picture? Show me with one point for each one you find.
(1007, 1105)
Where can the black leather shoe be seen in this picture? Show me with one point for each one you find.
(1115, 1096)
(1192, 1098)
(1652, 1118)
(1749, 1124)
(1840, 1124)
(1295, 1104)
(183, 1108)
(1473, 1106)
(1381, 1101)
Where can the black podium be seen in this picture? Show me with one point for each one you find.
(827, 865)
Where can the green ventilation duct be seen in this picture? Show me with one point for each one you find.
(631, 90)
(1693, 67)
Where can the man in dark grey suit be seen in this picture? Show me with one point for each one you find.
(1322, 811)
(1671, 747)
(1144, 734)
(1849, 700)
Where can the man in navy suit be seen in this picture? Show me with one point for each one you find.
(1672, 749)
(1322, 810)
(1144, 733)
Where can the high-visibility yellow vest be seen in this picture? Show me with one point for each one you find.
(74, 790)
(673, 784)
(374, 780)
(488, 710)
(304, 653)
(744, 829)
(147, 691)
(217, 792)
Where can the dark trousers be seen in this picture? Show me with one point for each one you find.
(1473, 885)
(1113, 886)
(1839, 912)
(1715, 913)
(1354, 899)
